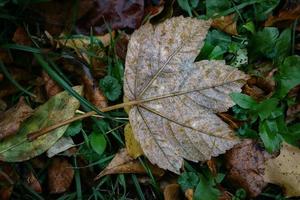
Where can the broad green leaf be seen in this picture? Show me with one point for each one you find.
(283, 45)
(266, 107)
(263, 8)
(74, 128)
(111, 87)
(188, 180)
(98, 142)
(288, 75)
(184, 4)
(60, 107)
(176, 118)
(292, 136)
(243, 100)
(206, 190)
(214, 7)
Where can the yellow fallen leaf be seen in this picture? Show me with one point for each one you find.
(284, 170)
(133, 147)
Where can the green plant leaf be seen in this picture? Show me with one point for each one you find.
(266, 107)
(58, 108)
(188, 180)
(263, 8)
(288, 75)
(268, 132)
(292, 136)
(74, 128)
(205, 190)
(214, 7)
(111, 87)
(98, 142)
(184, 4)
(283, 45)
(243, 100)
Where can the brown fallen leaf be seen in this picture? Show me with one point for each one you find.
(189, 194)
(32, 182)
(3, 106)
(226, 24)
(172, 192)
(114, 14)
(21, 37)
(284, 170)
(212, 166)
(1, 77)
(289, 12)
(175, 118)
(5, 57)
(51, 86)
(121, 46)
(11, 120)
(8, 177)
(245, 163)
(60, 175)
(123, 163)
(5, 192)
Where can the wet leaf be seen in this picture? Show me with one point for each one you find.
(133, 147)
(60, 175)
(98, 142)
(245, 163)
(60, 107)
(285, 170)
(11, 120)
(114, 14)
(123, 163)
(177, 117)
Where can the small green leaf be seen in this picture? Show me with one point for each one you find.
(205, 190)
(246, 131)
(250, 26)
(288, 75)
(268, 132)
(266, 107)
(283, 45)
(74, 128)
(188, 180)
(263, 8)
(214, 7)
(184, 4)
(292, 136)
(111, 87)
(243, 100)
(98, 142)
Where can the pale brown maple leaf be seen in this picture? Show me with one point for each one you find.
(176, 118)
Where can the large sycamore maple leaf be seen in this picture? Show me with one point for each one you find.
(178, 97)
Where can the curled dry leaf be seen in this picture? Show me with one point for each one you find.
(175, 117)
(284, 170)
(11, 120)
(226, 24)
(245, 163)
(60, 175)
(51, 86)
(289, 13)
(132, 146)
(60, 107)
(123, 163)
(172, 192)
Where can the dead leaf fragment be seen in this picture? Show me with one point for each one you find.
(21, 37)
(51, 86)
(176, 118)
(172, 192)
(245, 163)
(284, 170)
(60, 175)
(123, 163)
(226, 24)
(11, 120)
(32, 182)
(132, 146)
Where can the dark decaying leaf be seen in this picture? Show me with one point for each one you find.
(113, 14)
(178, 120)
(60, 175)
(60, 107)
(21, 37)
(30, 179)
(11, 120)
(245, 163)
(226, 24)
(172, 192)
(8, 177)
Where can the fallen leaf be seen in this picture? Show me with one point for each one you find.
(245, 163)
(3, 107)
(284, 170)
(189, 194)
(114, 14)
(132, 146)
(123, 163)
(8, 177)
(51, 87)
(1, 77)
(21, 37)
(172, 192)
(226, 24)
(121, 45)
(5, 57)
(176, 118)
(11, 120)
(61, 145)
(60, 175)
(289, 12)
(32, 181)
(60, 107)
(5, 192)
